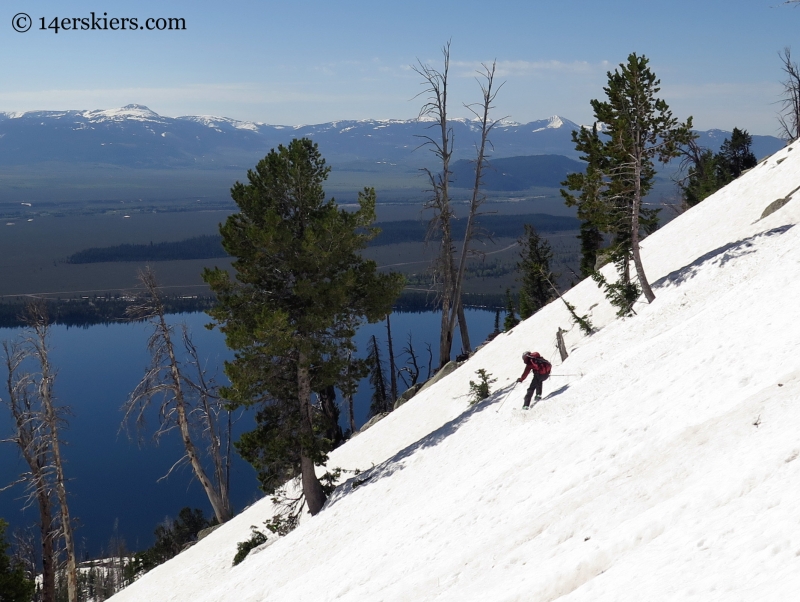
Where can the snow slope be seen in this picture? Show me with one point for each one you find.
(663, 464)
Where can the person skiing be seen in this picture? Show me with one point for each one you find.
(541, 372)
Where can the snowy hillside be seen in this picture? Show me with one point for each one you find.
(663, 464)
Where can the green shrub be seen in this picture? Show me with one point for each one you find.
(243, 547)
(479, 391)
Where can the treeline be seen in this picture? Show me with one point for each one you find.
(83, 313)
(198, 247)
(497, 226)
(483, 269)
(420, 301)
(97, 310)
(210, 246)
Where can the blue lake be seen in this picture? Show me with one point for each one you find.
(113, 480)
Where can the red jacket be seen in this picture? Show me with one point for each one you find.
(529, 366)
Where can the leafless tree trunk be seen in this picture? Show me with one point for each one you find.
(392, 366)
(637, 201)
(349, 386)
(789, 118)
(185, 403)
(35, 450)
(351, 414)
(413, 370)
(442, 146)
(209, 414)
(312, 488)
(466, 347)
(562, 348)
(26, 553)
(477, 199)
(38, 343)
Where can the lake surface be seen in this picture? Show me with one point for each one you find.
(113, 480)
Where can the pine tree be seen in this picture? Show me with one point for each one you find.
(301, 290)
(735, 154)
(705, 176)
(708, 171)
(591, 209)
(511, 317)
(380, 401)
(534, 265)
(639, 129)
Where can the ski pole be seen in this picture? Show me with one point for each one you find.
(507, 396)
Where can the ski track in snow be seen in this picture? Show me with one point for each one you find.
(667, 471)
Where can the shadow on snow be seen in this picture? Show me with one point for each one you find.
(395, 463)
(720, 256)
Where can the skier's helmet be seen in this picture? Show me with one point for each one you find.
(525, 355)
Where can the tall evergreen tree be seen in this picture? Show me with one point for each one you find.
(377, 378)
(534, 266)
(591, 209)
(300, 291)
(708, 171)
(511, 319)
(639, 129)
(704, 177)
(735, 153)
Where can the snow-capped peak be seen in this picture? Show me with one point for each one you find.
(216, 122)
(553, 123)
(131, 111)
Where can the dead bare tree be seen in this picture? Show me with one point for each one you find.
(482, 114)
(789, 117)
(440, 224)
(29, 437)
(412, 367)
(37, 344)
(190, 405)
(25, 546)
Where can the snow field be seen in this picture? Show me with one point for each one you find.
(667, 471)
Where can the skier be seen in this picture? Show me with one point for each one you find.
(541, 372)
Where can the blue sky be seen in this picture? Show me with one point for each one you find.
(312, 61)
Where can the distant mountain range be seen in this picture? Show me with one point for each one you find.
(135, 136)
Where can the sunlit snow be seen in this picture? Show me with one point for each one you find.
(661, 464)
(553, 123)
